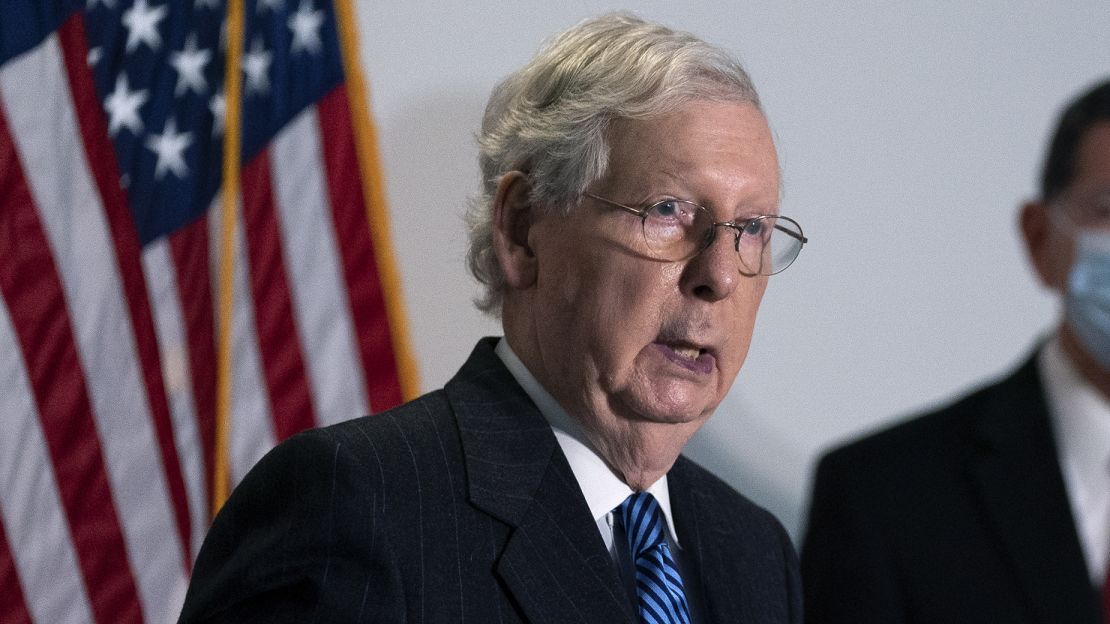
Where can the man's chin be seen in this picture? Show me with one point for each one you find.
(669, 411)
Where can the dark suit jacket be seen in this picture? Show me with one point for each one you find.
(957, 516)
(460, 507)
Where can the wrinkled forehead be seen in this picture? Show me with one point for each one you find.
(703, 147)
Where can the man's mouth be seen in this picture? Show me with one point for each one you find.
(690, 353)
(688, 356)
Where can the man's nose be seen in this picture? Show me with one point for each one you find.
(712, 275)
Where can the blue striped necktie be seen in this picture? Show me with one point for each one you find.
(658, 583)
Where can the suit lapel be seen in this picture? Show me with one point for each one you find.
(1021, 486)
(554, 563)
(702, 533)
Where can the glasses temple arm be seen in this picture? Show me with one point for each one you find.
(792, 233)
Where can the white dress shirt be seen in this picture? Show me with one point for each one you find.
(1081, 420)
(603, 489)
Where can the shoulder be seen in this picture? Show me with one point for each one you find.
(380, 454)
(692, 477)
(323, 513)
(744, 552)
(347, 454)
(359, 441)
(931, 453)
(695, 486)
(362, 467)
(938, 437)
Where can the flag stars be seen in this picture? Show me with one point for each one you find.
(218, 107)
(305, 24)
(211, 4)
(190, 63)
(123, 105)
(256, 65)
(223, 36)
(274, 6)
(170, 147)
(141, 21)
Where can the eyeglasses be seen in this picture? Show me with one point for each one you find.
(676, 229)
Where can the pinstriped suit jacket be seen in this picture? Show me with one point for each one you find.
(460, 507)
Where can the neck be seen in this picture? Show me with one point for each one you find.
(641, 453)
(638, 451)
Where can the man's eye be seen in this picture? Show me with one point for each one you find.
(667, 209)
(1101, 209)
(673, 211)
(1096, 213)
(755, 228)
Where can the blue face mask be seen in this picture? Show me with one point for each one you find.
(1088, 295)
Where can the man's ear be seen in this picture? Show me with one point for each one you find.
(513, 215)
(1036, 231)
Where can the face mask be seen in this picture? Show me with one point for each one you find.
(1088, 295)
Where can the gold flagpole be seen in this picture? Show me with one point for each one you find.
(373, 190)
(221, 480)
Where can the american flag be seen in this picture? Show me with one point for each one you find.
(112, 126)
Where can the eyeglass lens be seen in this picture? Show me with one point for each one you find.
(676, 229)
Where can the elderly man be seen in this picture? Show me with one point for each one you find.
(627, 226)
(995, 509)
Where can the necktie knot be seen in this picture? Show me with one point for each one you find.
(643, 523)
(658, 582)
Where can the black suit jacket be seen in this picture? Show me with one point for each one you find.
(461, 507)
(957, 516)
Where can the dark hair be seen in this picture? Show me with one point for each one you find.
(1059, 168)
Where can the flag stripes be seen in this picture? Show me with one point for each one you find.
(33, 293)
(76, 234)
(252, 428)
(368, 305)
(101, 163)
(186, 433)
(26, 472)
(190, 291)
(282, 363)
(10, 592)
(308, 234)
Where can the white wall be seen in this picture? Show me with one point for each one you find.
(909, 133)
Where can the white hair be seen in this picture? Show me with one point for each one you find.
(551, 118)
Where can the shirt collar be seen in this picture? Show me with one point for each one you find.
(602, 488)
(1081, 420)
(1081, 415)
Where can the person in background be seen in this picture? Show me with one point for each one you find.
(996, 508)
(625, 232)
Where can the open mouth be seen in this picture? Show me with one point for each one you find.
(690, 357)
(690, 353)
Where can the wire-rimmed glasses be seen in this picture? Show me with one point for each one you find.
(676, 229)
